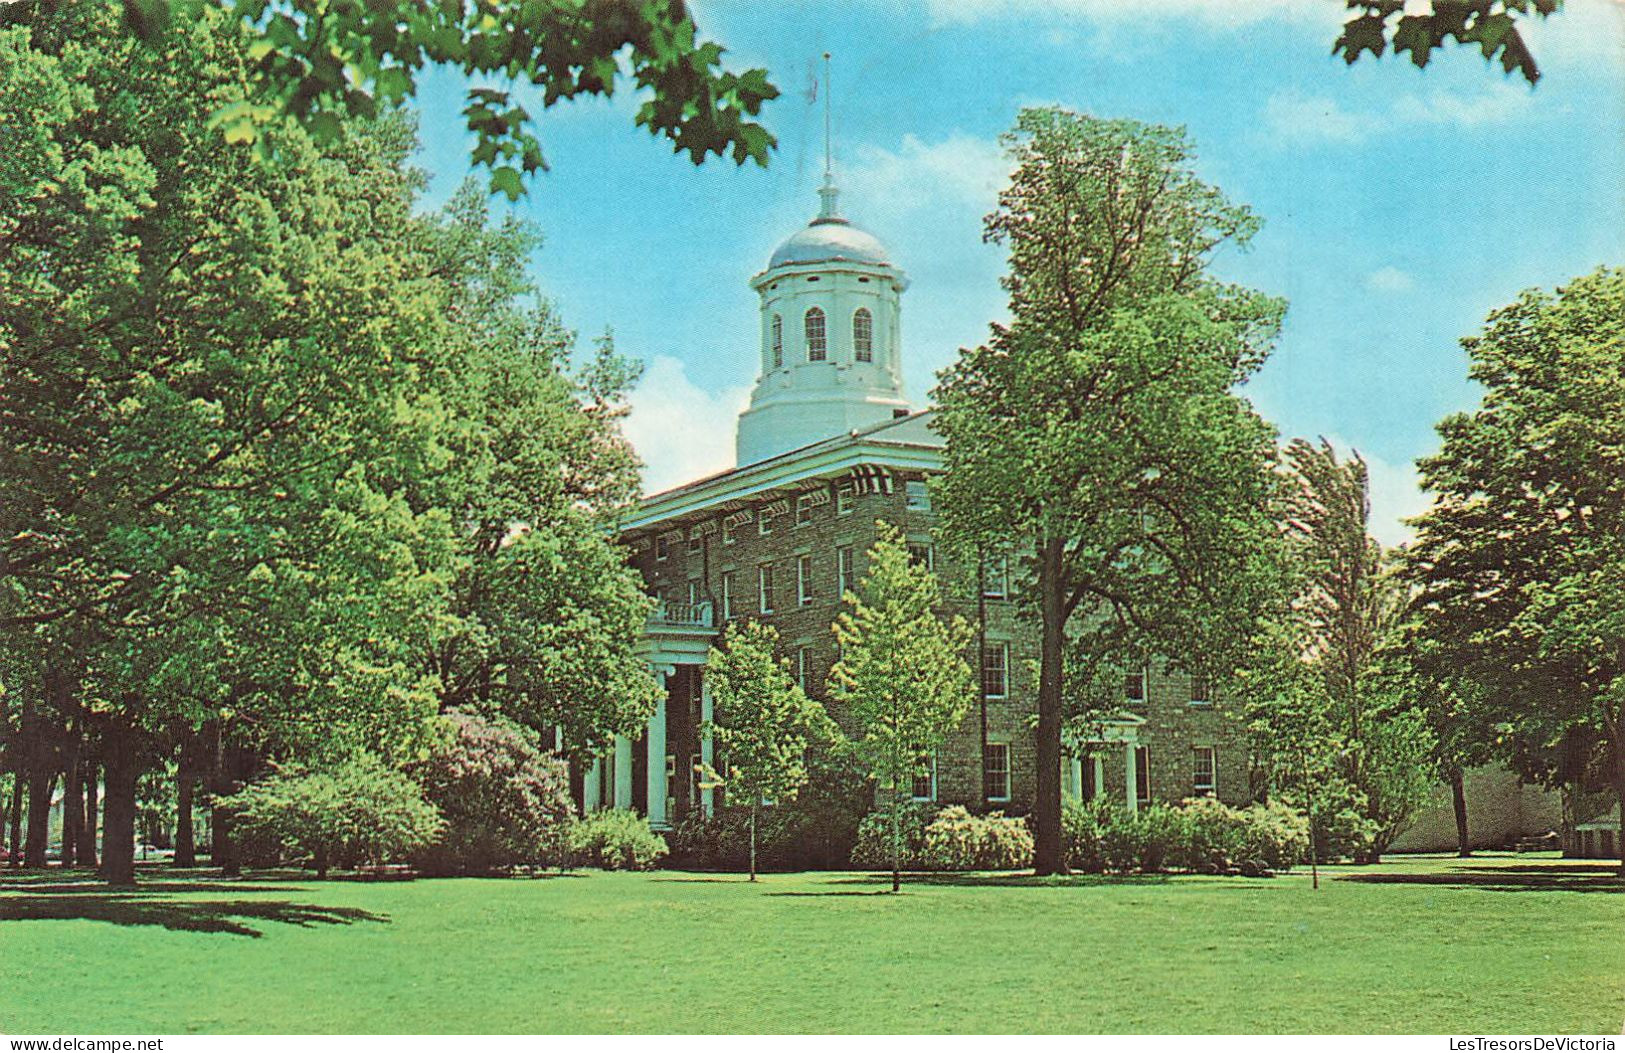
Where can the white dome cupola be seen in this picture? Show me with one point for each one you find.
(831, 327)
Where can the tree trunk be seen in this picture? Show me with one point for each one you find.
(222, 847)
(896, 839)
(185, 780)
(1048, 855)
(16, 818)
(87, 833)
(1458, 793)
(73, 807)
(754, 805)
(1619, 785)
(41, 781)
(118, 812)
(321, 861)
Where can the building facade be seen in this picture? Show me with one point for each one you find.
(827, 449)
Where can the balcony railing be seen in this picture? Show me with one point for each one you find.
(682, 615)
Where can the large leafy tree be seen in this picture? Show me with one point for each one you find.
(762, 721)
(320, 62)
(1520, 563)
(902, 672)
(1100, 429)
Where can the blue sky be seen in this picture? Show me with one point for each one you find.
(1400, 206)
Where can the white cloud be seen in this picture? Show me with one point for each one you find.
(1292, 116)
(681, 431)
(961, 170)
(1396, 494)
(1389, 280)
(1220, 13)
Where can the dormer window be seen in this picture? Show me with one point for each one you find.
(778, 342)
(817, 348)
(863, 335)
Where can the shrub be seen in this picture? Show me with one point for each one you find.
(873, 848)
(815, 831)
(1203, 835)
(1274, 836)
(1211, 837)
(358, 810)
(1083, 834)
(958, 840)
(618, 839)
(506, 802)
(948, 838)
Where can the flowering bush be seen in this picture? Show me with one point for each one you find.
(948, 838)
(619, 839)
(1203, 835)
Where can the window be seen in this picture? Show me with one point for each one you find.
(778, 342)
(696, 767)
(843, 499)
(1206, 771)
(662, 548)
(728, 532)
(863, 335)
(1089, 789)
(1134, 686)
(996, 577)
(727, 594)
(816, 347)
(925, 779)
(696, 540)
(804, 584)
(764, 523)
(694, 591)
(996, 771)
(1201, 692)
(918, 497)
(1142, 775)
(921, 555)
(804, 667)
(764, 588)
(995, 670)
(843, 570)
(804, 507)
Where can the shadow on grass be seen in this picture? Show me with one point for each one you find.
(229, 917)
(1506, 879)
(979, 880)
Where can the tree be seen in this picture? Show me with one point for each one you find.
(1492, 25)
(1100, 430)
(902, 671)
(1345, 608)
(762, 721)
(320, 62)
(352, 812)
(1520, 562)
(505, 801)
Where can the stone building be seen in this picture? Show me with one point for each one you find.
(827, 447)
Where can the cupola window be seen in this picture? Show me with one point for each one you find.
(817, 348)
(863, 335)
(778, 342)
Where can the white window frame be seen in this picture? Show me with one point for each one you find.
(804, 584)
(764, 588)
(845, 562)
(662, 549)
(843, 499)
(999, 744)
(1001, 648)
(1145, 688)
(817, 349)
(804, 507)
(916, 495)
(1205, 697)
(727, 594)
(776, 339)
(863, 345)
(803, 666)
(696, 540)
(930, 553)
(913, 782)
(1142, 779)
(1212, 788)
(764, 523)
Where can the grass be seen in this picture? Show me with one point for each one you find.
(1525, 944)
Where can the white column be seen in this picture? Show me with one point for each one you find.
(1100, 773)
(708, 796)
(623, 772)
(1131, 779)
(657, 766)
(1076, 774)
(590, 782)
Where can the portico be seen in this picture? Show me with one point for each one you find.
(1089, 756)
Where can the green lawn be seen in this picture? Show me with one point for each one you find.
(1498, 944)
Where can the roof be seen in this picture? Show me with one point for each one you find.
(830, 239)
(903, 442)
